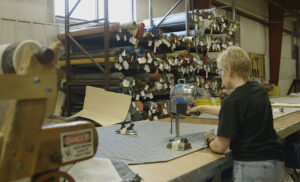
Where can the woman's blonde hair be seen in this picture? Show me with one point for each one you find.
(237, 59)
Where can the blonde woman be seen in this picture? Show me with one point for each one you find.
(245, 122)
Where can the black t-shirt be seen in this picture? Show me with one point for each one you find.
(246, 118)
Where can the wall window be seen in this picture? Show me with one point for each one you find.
(85, 9)
(119, 10)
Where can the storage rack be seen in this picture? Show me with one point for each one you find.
(69, 37)
(187, 4)
(170, 11)
(71, 82)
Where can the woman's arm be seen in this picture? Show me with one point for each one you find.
(215, 110)
(219, 144)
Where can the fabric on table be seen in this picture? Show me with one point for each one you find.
(100, 169)
(150, 145)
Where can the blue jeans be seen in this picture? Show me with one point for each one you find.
(258, 171)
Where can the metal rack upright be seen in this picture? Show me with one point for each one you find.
(69, 37)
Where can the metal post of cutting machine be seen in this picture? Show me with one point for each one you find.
(182, 95)
(177, 126)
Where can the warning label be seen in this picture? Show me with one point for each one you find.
(77, 145)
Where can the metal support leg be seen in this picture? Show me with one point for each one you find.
(68, 66)
(218, 176)
(106, 45)
(132, 10)
(233, 9)
(150, 13)
(187, 17)
(97, 9)
(177, 126)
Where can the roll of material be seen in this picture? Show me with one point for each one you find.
(155, 76)
(2, 49)
(129, 25)
(132, 27)
(170, 78)
(10, 55)
(139, 105)
(10, 59)
(4, 104)
(98, 76)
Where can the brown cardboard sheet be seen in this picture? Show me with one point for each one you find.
(103, 107)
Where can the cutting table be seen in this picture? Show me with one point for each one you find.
(204, 164)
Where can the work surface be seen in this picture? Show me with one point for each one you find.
(149, 145)
(203, 162)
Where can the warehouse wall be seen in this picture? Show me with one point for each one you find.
(27, 19)
(160, 8)
(30, 10)
(253, 35)
(254, 38)
(287, 65)
(254, 7)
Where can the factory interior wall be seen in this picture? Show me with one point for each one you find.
(256, 8)
(287, 65)
(27, 19)
(159, 8)
(30, 10)
(254, 38)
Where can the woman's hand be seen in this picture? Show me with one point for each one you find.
(215, 110)
(194, 110)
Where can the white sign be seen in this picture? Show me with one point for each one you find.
(76, 145)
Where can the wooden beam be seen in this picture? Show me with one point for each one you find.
(27, 86)
(22, 128)
(1, 141)
(21, 144)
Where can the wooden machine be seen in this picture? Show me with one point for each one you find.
(28, 146)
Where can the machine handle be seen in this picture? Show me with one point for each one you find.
(44, 55)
